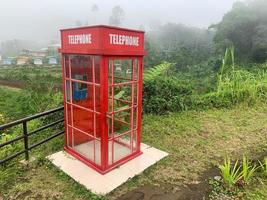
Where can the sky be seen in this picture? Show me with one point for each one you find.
(41, 20)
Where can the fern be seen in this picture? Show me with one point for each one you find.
(156, 71)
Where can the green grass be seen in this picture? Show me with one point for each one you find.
(195, 140)
(7, 98)
(21, 72)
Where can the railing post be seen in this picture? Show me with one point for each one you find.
(26, 143)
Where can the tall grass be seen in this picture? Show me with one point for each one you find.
(240, 85)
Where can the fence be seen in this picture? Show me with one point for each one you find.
(25, 135)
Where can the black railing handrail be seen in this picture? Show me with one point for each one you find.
(25, 135)
(14, 123)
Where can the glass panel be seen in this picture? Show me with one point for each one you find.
(97, 69)
(122, 122)
(82, 95)
(84, 144)
(67, 91)
(122, 147)
(134, 142)
(69, 137)
(68, 113)
(83, 120)
(135, 93)
(97, 152)
(109, 126)
(67, 72)
(123, 70)
(97, 99)
(122, 97)
(135, 118)
(81, 68)
(110, 63)
(98, 126)
(136, 69)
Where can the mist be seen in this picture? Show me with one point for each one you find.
(40, 21)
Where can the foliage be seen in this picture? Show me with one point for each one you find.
(245, 27)
(231, 175)
(179, 44)
(228, 62)
(117, 16)
(247, 170)
(240, 85)
(263, 166)
(164, 94)
(154, 72)
(162, 90)
(167, 90)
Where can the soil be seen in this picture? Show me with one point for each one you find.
(13, 84)
(198, 190)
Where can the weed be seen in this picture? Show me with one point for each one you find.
(231, 175)
(247, 170)
(263, 166)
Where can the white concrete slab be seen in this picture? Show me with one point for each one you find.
(103, 184)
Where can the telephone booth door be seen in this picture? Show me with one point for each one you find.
(124, 111)
(83, 106)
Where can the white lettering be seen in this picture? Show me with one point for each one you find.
(123, 40)
(80, 39)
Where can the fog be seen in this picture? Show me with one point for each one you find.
(38, 20)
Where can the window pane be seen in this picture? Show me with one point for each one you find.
(82, 95)
(81, 68)
(97, 69)
(136, 69)
(122, 122)
(68, 91)
(83, 144)
(123, 70)
(67, 72)
(83, 120)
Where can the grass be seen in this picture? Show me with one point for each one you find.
(7, 97)
(195, 140)
(20, 72)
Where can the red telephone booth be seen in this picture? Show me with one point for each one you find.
(102, 76)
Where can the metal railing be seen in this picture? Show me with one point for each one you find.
(25, 133)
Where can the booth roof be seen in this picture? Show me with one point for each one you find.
(103, 26)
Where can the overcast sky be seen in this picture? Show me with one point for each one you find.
(42, 19)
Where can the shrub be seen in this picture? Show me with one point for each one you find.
(231, 175)
(165, 94)
(247, 170)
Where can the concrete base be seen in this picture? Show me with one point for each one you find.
(103, 184)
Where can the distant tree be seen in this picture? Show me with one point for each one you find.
(94, 8)
(93, 14)
(117, 16)
(78, 23)
(245, 27)
(259, 44)
(179, 44)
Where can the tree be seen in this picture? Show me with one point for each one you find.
(244, 27)
(180, 44)
(94, 8)
(117, 16)
(78, 23)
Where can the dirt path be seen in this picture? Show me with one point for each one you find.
(194, 191)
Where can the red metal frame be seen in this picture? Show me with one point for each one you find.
(118, 50)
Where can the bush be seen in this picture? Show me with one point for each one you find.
(165, 94)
